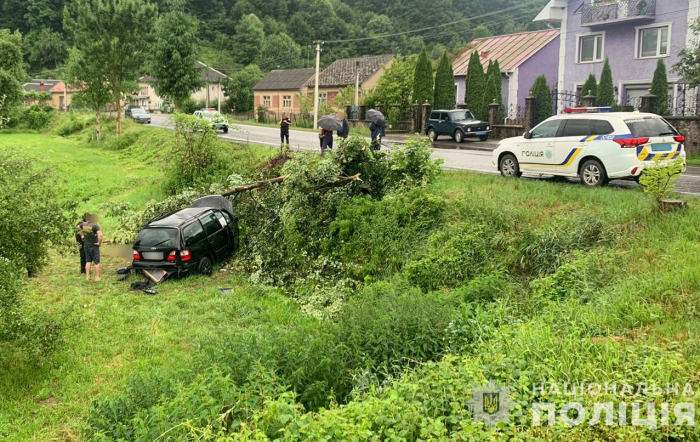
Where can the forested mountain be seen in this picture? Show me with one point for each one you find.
(279, 33)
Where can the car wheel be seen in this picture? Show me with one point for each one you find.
(593, 174)
(484, 137)
(204, 266)
(225, 129)
(432, 134)
(509, 166)
(459, 136)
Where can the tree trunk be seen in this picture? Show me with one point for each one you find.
(118, 102)
(98, 127)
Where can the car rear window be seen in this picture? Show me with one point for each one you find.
(156, 238)
(650, 127)
(601, 127)
(193, 233)
(576, 128)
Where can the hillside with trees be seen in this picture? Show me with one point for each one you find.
(278, 33)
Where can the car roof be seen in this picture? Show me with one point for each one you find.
(599, 115)
(180, 217)
(449, 110)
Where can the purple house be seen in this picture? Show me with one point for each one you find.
(632, 34)
(522, 57)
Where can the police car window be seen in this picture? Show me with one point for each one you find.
(650, 127)
(546, 130)
(601, 127)
(211, 224)
(576, 128)
(193, 233)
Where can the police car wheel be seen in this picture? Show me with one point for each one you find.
(593, 174)
(432, 134)
(459, 136)
(509, 166)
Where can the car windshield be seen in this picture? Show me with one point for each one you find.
(156, 238)
(461, 115)
(210, 115)
(650, 127)
(138, 112)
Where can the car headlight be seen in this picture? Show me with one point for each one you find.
(469, 129)
(488, 127)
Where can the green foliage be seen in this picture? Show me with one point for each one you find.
(444, 93)
(543, 99)
(193, 151)
(659, 87)
(475, 86)
(411, 165)
(395, 86)
(606, 89)
(280, 51)
(590, 87)
(689, 65)
(75, 123)
(11, 70)
(36, 118)
(239, 88)
(113, 41)
(249, 39)
(658, 179)
(173, 56)
(422, 80)
(46, 48)
(494, 89)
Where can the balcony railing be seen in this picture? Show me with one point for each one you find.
(601, 12)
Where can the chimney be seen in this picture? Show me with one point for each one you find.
(42, 87)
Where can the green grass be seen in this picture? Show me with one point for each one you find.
(640, 323)
(693, 159)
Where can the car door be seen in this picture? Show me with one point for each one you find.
(196, 240)
(536, 153)
(217, 235)
(445, 124)
(570, 145)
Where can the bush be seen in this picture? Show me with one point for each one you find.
(658, 180)
(74, 124)
(36, 118)
(123, 141)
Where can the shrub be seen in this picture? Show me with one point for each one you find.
(411, 165)
(658, 180)
(36, 118)
(123, 141)
(193, 151)
(74, 124)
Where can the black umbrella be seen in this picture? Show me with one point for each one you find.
(330, 123)
(376, 117)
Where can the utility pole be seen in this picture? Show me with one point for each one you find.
(318, 67)
(218, 98)
(357, 83)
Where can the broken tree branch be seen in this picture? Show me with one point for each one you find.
(248, 187)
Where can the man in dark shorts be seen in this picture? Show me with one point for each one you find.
(91, 235)
(79, 240)
(285, 122)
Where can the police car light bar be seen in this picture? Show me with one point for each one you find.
(583, 110)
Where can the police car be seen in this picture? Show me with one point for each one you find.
(594, 144)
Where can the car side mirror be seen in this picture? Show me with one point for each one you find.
(527, 135)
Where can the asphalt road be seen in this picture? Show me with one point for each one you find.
(455, 156)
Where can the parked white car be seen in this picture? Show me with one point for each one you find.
(591, 143)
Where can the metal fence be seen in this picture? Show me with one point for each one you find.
(514, 115)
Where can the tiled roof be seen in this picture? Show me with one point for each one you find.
(284, 80)
(209, 74)
(510, 50)
(34, 85)
(343, 73)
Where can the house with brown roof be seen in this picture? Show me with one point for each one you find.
(522, 57)
(365, 71)
(61, 96)
(281, 89)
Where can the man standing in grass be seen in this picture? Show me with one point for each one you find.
(91, 235)
(79, 240)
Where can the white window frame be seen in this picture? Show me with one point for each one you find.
(638, 41)
(322, 97)
(286, 101)
(602, 50)
(267, 100)
(457, 99)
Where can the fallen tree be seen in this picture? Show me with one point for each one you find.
(248, 187)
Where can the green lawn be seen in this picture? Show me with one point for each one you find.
(642, 322)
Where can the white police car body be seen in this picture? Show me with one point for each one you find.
(592, 143)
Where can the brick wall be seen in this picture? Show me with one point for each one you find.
(690, 127)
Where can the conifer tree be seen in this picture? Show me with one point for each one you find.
(475, 85)
(659, 87)
(590, 86)
(444, 95)
(606, 89)
(543, 99)
(423, 79)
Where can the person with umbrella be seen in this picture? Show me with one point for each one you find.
(377, 128)
(345, 131)
(328, 124)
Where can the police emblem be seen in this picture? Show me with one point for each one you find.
(491, 404)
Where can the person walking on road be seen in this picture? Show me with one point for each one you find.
(79, 240)
(345, 131)
(285, 122)
(91, 234)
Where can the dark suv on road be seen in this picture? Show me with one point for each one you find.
(457, 123)
(185, 241)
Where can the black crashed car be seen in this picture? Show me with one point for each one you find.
(457, 123)
(187, 241)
